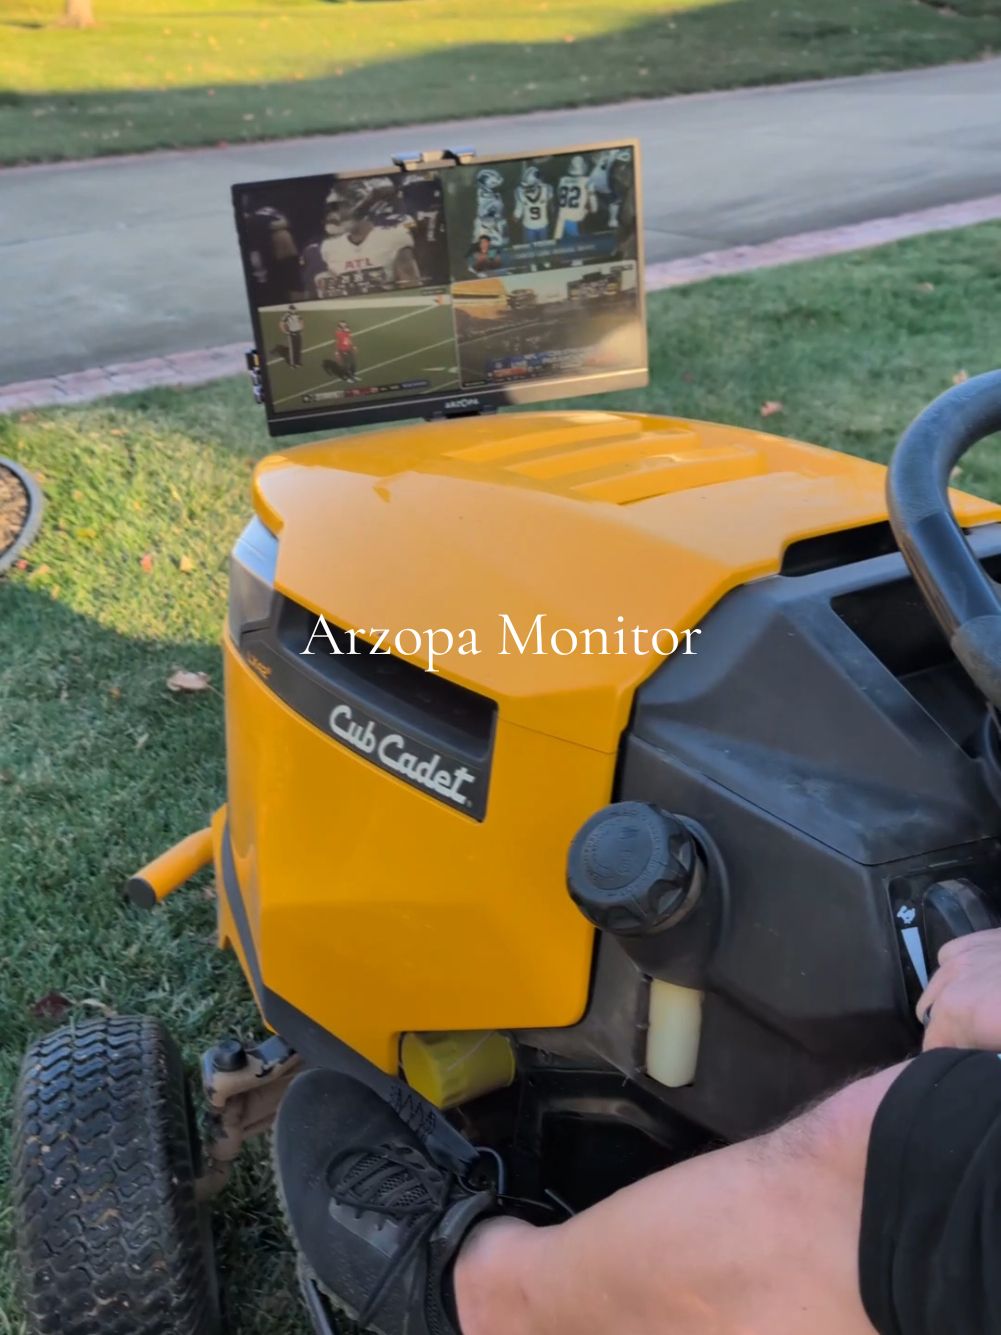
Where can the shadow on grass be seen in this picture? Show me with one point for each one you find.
(101, 768)
(713, 44)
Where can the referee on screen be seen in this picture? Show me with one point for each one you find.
(291, 326)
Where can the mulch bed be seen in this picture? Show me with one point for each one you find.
(14, 507)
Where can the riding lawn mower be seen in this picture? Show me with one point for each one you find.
(603, 910)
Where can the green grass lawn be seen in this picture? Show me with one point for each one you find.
(101, 767)
(174, 72)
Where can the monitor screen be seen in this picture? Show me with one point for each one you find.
(445, 285)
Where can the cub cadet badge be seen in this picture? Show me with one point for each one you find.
(338, 708)
(392, 753)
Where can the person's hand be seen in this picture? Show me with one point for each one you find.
(962, 1004)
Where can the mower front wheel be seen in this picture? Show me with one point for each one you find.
(109, 1236)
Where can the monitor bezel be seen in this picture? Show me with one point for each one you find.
(459, 402)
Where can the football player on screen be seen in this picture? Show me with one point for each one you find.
(421, 199)
(605, 183)
(491, 217)
(575, 198)
(368, 246)
(532, 200)
(347, 361)
(273, 256)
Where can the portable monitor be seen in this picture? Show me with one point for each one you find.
(444, 285)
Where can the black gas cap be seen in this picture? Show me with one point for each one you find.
(634, 869)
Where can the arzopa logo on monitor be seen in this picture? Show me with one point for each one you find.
(458, 404)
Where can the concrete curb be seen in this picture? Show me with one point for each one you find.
(202, 365)
(197, 367)
(817, 245)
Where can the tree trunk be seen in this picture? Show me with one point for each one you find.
(79, 14)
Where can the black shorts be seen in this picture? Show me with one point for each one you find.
(930, 1244)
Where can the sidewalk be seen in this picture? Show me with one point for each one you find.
(125, 260)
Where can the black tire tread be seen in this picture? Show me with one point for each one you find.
(108, 1234)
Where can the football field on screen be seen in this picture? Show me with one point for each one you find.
(396, 339)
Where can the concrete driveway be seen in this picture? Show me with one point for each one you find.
(122, 259)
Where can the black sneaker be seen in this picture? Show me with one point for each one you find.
(376, 1215)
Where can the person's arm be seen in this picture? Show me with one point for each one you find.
(962, 1003)
(407, 273)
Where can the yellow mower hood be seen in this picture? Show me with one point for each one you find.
(577, 519)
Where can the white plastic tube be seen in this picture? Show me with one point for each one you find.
(675, 1028)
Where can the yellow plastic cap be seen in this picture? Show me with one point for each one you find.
(453, 1068)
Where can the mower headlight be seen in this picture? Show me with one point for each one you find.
(251, 577)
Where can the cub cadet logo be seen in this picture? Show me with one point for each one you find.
(456, 405)
(260, 668)
(390, 752)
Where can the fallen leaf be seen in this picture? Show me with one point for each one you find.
(961, 377)
(115, 692)
(182, 680)
(146, 561)
(926, 287)
(85, 534)
(43, 569)
(185, 565)
(141, 740)
(53, 1006)
(20, 564)
(116, 431)
(771, 407)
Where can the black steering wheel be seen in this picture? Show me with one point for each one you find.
(964, 600)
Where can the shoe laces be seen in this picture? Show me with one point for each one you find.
(392, 1180)
(397, 1183)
